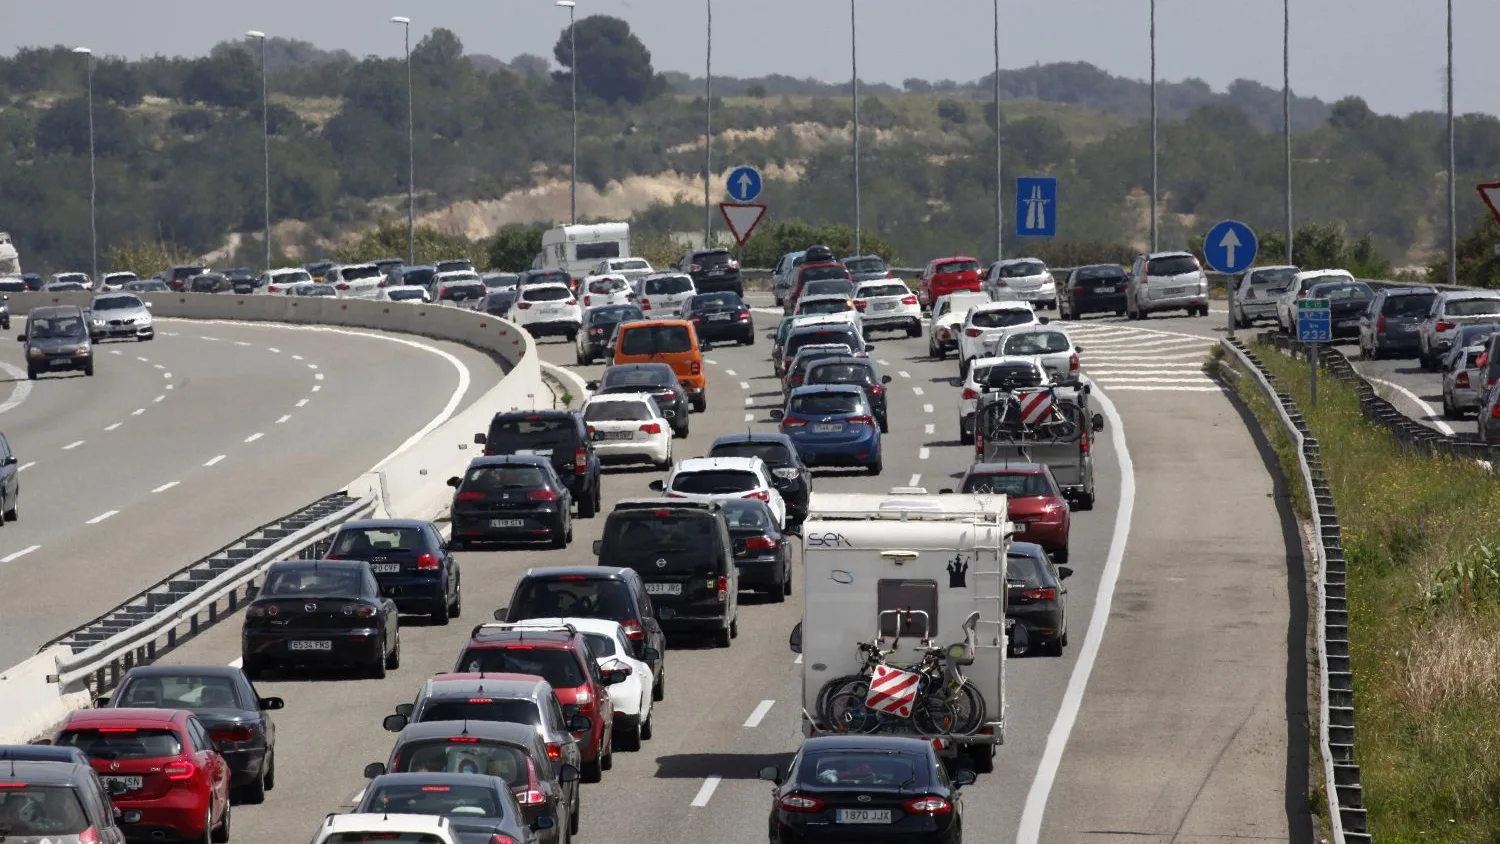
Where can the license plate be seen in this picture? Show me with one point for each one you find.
(885, 306)
(535, 452)
(319, 645)
(1020, 528)
(507, 523)
(1174, 291)
(130, 783)
(386, 568)
(1348, 323)
(663, 588)
(615, 435)
(863, 816)
(549, 311)
(718, 317)
(1105, 288)
(829, 428)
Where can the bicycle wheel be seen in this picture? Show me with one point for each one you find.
(969, 709)
(848, 684)
(934, 715)
(848, 714)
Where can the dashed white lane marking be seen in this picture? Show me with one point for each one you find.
(926, 408)
(317, 387)
(915, 480)
(710, 362)
(170, 386)
(744, 385)
(929, 429)
(318, 376)
(158, 366)
(72, 445)
(160, 398)
(16, 555)
(904, 374)
(917, 390)
(276, 350)
(312, 366)
(749, 402)
(102, 516)
(114, 426)
(138, 411)
(241, 343)
(24, 466)
(166, 486)
(749, 417)
(706, 792)
(883, 362)
(302, 402)
(922, 454)
(210, 339)
(116, 352)
(143, 360)
(253, 437)
(758, 714)
(731, 373)
(215, 460)
(167, 375)
(169, 333)
(283, 419)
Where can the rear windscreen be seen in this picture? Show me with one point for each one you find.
(606, 285)
(1472, 307)
(413, 276)
(463, 292)
(641, 539)
(1275, 279)
(1037, 343)
(30, 812)
(828, 287)
(352, 273)
(819, 338)
(454, 266)
(497, 479)
(656, 340)
(1024, 570)
(711, 259)
(323, 581)
(609, 316)
(530, 432)
(864, 265)
(643, 377)
(1174, 265)
(715, 482)
(1023, 269)
(1001, 318)
(470, 756)
(822, 273)
(870, 291)
(668, 286)
(481, 709)
(559, 598)
(402, 294)
(825, 306)
(1101, 273)
(549, 277)
(774, 454)
(1341, 290)
(450, 800)
(123, 742)
(1416, 304)
(710, 301)
(958, 267)
(753, 515)
(805, 360)
(840, 373)
(555, 665)
(381, 837)
(616, 411)
(1016, 485)
(826, 404)
(546, 294)
(375, 540)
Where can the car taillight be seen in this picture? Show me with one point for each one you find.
(1380, 323)
(908, 300)
(723, 589)
(929, 805)
(523, 305)
(650, 428)
(581, 460)
(795, 802)
(88, 836)
(733, 264)
(588, 300)
(633, 629)
(860, 304)
(1046, 593)
(791, 422)
(554, 751)
(1462, 380)
(1083, 439)
(541, 495)
(178, 771)
(645, 304)
(469, 496)
(1073, 362)
(759, 495)
(261, 612)
(696, 368)
(860, 420)
(694, 268)
(365, 611)
(501, 838)
(877, 389)
(232, 734)
(571, 301)
(761, 543)
(1495, 412)
(530, 797)
(973, 332)
(970, 394)
(341, 286)
(428, 562)
(744, 314)
(1444, 325)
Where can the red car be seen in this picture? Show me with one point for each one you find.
(947, 275)
(561, 656)
(161, 768)
(1036, 503)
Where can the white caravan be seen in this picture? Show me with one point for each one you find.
(577, 249)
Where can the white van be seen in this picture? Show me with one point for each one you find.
(578, 249)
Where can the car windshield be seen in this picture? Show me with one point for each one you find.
(843, 338)
(116, 303)
(1278, 278)
(616, 411)
(1013, 484)
(31, 812)
(1003, 318)
(549, 277)
(178, 691)
(864, 266)
(854, 769)
(1008, 376)
(715, 301)
(807, 356)
(656, 340)
(122, 742)
(668, 285)
(1172, 265)
(680, 541)
(644, 376)
(958, 266)
(1100, 273)
(1472, 334)
(545, 597)
(828, 287)
(870, 291)
(841, 373)
(546, 294)
(826, 404)
(357, 543)
(470, 756)
(506, 281)
(609, 316)
(715, 482)
(825, 306)
(55, 328)
(497, 479)
(824, 273)
(775, 454)
(481, 709)
(1410, 305)
(1472, 307)
(1342, 290)
(458, 801)
(301, 582)
(291, 277)
(316, 290)
(557, 666)
(747, 515)
(1022, 269)
(1037, 343)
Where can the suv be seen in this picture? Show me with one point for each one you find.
(682, 551)
(57, 340)
(713, 271)
(178, 275)
(557, 434)
(788, 474)
(1166, 281)
(561, 656)
(58, 800)
(1390, 325)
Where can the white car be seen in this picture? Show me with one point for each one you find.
(888, 305)
(601, 290)
(1050, 345)
(116, 281)
(355, 281)
(312, 288)
(984, 322)
(279, 281)
(661, 296)
(550, 308)
(1286, 303)
(372, 826)
(711, 478)
(629, 268)
(947, 319)
(1021, 280)
(458, 289)
(406, 293)
(612, 651)
(979, 374)
(835, 305)
(72, 278)
(629, 427)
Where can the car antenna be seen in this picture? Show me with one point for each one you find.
(466, 728)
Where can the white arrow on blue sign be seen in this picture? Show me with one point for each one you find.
(744, 183)
(1230, 247)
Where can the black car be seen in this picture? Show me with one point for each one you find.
(319, 269)
(57, 340)
(559, 435)
(788, 474)
(419, 276)
(226, 703)
(410, 561)
(598, 329)
(796, 374)
(498, 302)
(847, 370)
(1347, 302)
(762, 552)
(501, 281)
(387, 266)
(320, 612)
(545, 275)
(481, 808)
(822, 334)
(1036, 610)
(511, 498)
(616, 594)
(894, 787)
(656, 379)
(867, 268)
(1096, 288)
(33, 281)
(1390, 324)
(242, 280)
(720, 316)
(10, 482)
(713, 270)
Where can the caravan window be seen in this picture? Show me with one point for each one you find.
(916, 596)
(598, 251)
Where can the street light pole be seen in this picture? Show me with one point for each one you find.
(1154, 241)
(1452, 184)
(411, 152)
(88, 57)
(573, 79)
(1286, 112)
(265, 121)
(708, 130)
(854, 92)
(999, 178)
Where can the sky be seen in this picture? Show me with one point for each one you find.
(1391, 52)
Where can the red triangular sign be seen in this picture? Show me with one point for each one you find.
(742, 218)
(1490, 193)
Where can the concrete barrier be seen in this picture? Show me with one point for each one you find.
(34, 700)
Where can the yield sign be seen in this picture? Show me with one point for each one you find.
(1490, 193)
(742, 218)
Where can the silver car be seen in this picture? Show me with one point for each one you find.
(1256, 293)
(120, 316)
(1451, 310)
(1463, 382)
(1021, 279)
(784, 274)
(1166, 281)
(1051, 346)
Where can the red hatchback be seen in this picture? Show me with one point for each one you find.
(161, 767)
(561, 656)
(1036, 503)
(947, 275)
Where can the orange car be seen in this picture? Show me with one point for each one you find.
(670, 341)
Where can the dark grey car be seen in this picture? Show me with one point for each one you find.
(1036, 611)
(57, 340)
(59, 802)
(480, 807)
(866, 267)
(10, 481)
(1390, 324)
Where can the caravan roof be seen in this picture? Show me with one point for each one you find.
(903, 505)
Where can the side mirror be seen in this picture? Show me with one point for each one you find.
(592, 386)
(956, 382)
(869, 347)
(1098, 422)
(1063, 572)
(101, 702)
(963, 777)
(945, 491)
(705, 346)
(650, 654)
(374, 769)
(794, 641)
(1077, 348)
(656, 486)
(455, 481)
(771, 774)
(271, 704)
(12, 460)
(479, 439)
(778, 415)
(543, 822)
(570, 710)
(885, 379)
(567, 773)
(501, 613)
(579, 724)
(405, 710)
(394, 723)
(21, 337)
(597, 546)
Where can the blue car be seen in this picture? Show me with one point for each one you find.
(410, 561)
(832, 425)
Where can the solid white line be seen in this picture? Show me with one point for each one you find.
(20, 391)
(72, 445)
(166, 486)
(10, 558)
(116, 352)
(917, 390)
(1428, 411)
(731, 373)
(102, 516)
(916, 480)
(744, 385)
(138, 411)
(253, 437)
(302, 402)
(922, 454)
(926, 408)
(318, 376)
(114, 426)
(759, 713)
(929, 429)
(904, 374)
(215, 460)
(296, 357)
(1030, 829)
(160, 398)
(706, 792)
(283, 419)
(749, 417)
(24, 466)
(1115, 366)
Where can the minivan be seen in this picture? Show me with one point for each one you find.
(685, 557)
(1166, 281)
(671, 341)
(57, 340)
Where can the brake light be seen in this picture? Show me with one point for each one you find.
(744, 314)
(694, 268)
(15, 785)
(530, 797)
(929, 805)
(117, 729)
(554, 751)
(481, 700)
(759, 494)
(571, 301)
(592, 430)
(633, 629)
(581, 460)
(463, 740)
(761, 543)
(908, 300)
(437, 788)
(88, 836)
(970, 394)
(1083, 439)
(650, 428)
(645, 304)
(573, 577)
(860, 420)
(890, 274)
(1380, 323)
(365, 611)
(791, 422)
(1073, 362)
(1043, 594)
(973, 332)
(541, 495)
(696, 368)
(723, 588)
(341, 286)
(1462, 380)
(796, 802)
(1495, 412)
(1000, 282)
(232, 734)
(499, 838)
(469, 496)
(860, 304)
(179, 771)
(428, 562)
(523, 305)
(1444, 325)
(877, 389)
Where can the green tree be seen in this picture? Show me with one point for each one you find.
(390, 239)
(1478, 264)
(612, 63)
(514, 246)
(229, 81)
(145, 258)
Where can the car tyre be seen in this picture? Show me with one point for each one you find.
(722, 638)
(1060, 556)
(699, 403)
(590, 772)
(786, 585)
(88, 369)
(936, 351)
(269, 780)
(1449, 411)
(254, 793)
(914, 330)
(588, 505)
(983, 758)
(31, 372)
(10, 513)
(629, 739)
(877, 467)
(252, 667)
(965, 436)
(443, 613)
(1086, 501)
(393, 659)
(559, 537)
(1053, 648)
(457, 608)
(647, 730)
(220, 833)
(659, 688)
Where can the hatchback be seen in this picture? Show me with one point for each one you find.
(810, 272)
(598, 327)
(718, 478)
(867, 268)
(600, 291)
(796, 369)
(547, 310)
(1035, 502)
(832, 425)
(1452, 310)
(946, 276)
(613, 651)
(629, 428)
(662, 296)
(512, 498)
(481, 808)
(1036, 606)
(358, 828)
(1256, 293)
(713, 270)
(58, 799)
(1297, 288)
(860, 372)
(888, 305)
(1166, 281)
(410, 561)
(654, 379)
(1097, 288)
(1463, 381)
(720, 317)
(1023, 280)
(1390, 325)
(1347, 303)
(762, 552)
(558, 435)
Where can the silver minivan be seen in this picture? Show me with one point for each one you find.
(1166, 281)
(1256, 293)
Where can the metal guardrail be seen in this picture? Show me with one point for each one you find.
(1341, 776)
(180, 606)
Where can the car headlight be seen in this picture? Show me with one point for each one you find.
(82, 350)
(98, 321)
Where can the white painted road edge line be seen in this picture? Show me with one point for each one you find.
(215, 460)
(1428, 410)
(20, 391)
(1030, 829)
(12, 557)
(706, 793)
(102, 516)
(749, 402)
(758, 714)
(744, 385)
(166, 486)
(929, 428)
(917, 390)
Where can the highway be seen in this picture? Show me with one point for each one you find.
(178, 445)
(1166, 718)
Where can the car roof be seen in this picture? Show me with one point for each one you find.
(548, 413)
(686, 506)
(57, 310)
(586, 572)
(1026, 549)
(1306, 274)
(1028, 360)
(1011, 468)
(582, 624)
(49, 753)
(844, 360)
(604, 398)
(363, 524)
(1023, 260)
(950, 259)
(1003, 306)
(1449, 295)
(162, 670)
(46, 772)
(505, 731)
(542, 286)
(489, 683)
(1175, 253)
(1416, 290)
(897, 744)
(709, 464)
(124, 717)
(439, 778)
(510, 460)
(840, 324)
(754, 437)
(387, 822)
(808, 389)
(495, 631)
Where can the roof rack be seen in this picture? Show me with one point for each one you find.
(523, 628)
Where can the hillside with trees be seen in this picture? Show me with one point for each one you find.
(179, 152)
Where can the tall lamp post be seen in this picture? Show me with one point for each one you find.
(411, 153)
(1154, 244)
(708, 127)
(573, 78)
(265, 125)
(854, 95)
(999, 180)
(1286, 112)
(88, 58)
(1452, 185)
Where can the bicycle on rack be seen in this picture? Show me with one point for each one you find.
(1005, 419)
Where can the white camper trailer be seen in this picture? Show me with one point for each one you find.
(908, 572)
(577, 249)
(10, 259)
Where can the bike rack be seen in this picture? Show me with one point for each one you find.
(925, 639)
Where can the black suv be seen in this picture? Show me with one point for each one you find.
(791, 477)
(615, 594)
(559, 435)
(57, 340)
(713, 271)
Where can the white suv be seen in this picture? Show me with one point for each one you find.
(544, 309)
(661, 296)
(1021, 280)
(1166, 281)
(984, 323)
(356, 281)
(629, 426)
(712, 478)
(888, 305)
(282, 280)
(947, 320)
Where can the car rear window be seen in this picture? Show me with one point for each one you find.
(1014, 484)
(795, 343)
(507, 710)
(1342, 290)
(652, 376)
(602, 645)
(1101, 273)
(115, 303)
(864, 265)
(871, 291)
(549, 277)
(1002, 318)
(518, 434)
(1008, 376)
(655, 340)
(383, 837)
(750, 516)
(557, 666)
(840, 373)
(668, 286)
(714, 258)
(1023, 269)
(860, 771)
(375, 540)
(1025, 570)
(327, 581)
(451, 800)
(404, 294)
(1276, 279)
(715, 482)
(825, 306)
(1172, 265)
(826, 404)
(38, 812)
(635, 264)
(1472, 307)
(616, 411)
(495, 479)
(12, 285)
(123, 742)
(614, 314)
(421, 276)
(471, 756)
(958, 267)
(1413, 304)
(606, 285)
(546, 294)
(823, 273)
(775, 454)
(707, 301)
(456, 265)
(548, 597)
(828, 287)
(352, 273)
(806, 359)
(1037, 343)
(683, 540)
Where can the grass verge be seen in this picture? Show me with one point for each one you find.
(1422, 537)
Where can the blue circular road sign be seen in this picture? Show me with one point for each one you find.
(1230, 247)
(743, 184)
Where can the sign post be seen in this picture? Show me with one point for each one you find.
(1230, 248)
(1036, 207)
(1314, 327)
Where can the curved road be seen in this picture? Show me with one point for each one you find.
(178, 445)
(1175, 715)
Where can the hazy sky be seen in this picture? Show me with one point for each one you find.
(1391, 52)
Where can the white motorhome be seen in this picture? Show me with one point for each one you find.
(577, 249)
(10, 259)
(907, 571)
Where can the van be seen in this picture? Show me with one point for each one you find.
(57, 340)
(671, 341)
(685, 557)
(1066, 449)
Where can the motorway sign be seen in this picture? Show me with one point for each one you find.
(743, 184)
(1230, 247)
(1036, 206)
(1490, 193)
(1314, 321)
(742, 218)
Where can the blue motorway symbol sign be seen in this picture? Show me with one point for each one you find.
(1036, 206)
(1230, 247)
(744, 184)
(1314, 321)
